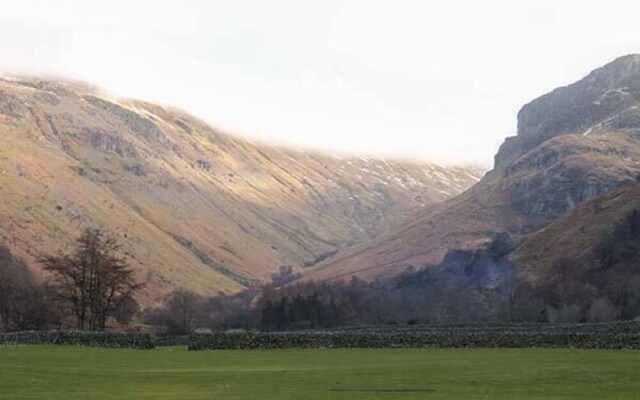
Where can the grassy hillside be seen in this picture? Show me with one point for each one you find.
(196, 208)
(81, 373)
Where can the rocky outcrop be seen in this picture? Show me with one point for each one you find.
(141, 126)
(566, 171)
(607, 96)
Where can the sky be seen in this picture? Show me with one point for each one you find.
(439, 80)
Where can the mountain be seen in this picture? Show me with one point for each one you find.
(599, 241)
(194, 207)
(572, 145)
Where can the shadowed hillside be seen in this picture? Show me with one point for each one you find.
(599, 242)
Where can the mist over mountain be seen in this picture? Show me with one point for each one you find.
(195, 208)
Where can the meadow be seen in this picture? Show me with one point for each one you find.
(66, 372)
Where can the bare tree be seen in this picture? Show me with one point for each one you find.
(182, 311)
(602, 310)
(95, 282)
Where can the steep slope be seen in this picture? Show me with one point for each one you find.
(195, 208)
(572, 144)
(599, 239)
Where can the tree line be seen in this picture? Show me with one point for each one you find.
(315, 305)
(467, 287)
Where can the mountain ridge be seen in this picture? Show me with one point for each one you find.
(196, 208)
(573, 144)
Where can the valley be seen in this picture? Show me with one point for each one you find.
(195, 208)
(573, 144)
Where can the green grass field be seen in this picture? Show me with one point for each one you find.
(43, 372)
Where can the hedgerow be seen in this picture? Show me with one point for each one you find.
(591, 336)
(165, 341)
(79, 338)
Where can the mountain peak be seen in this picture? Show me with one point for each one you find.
(629, 60)
(606, 94)
(613, 74)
